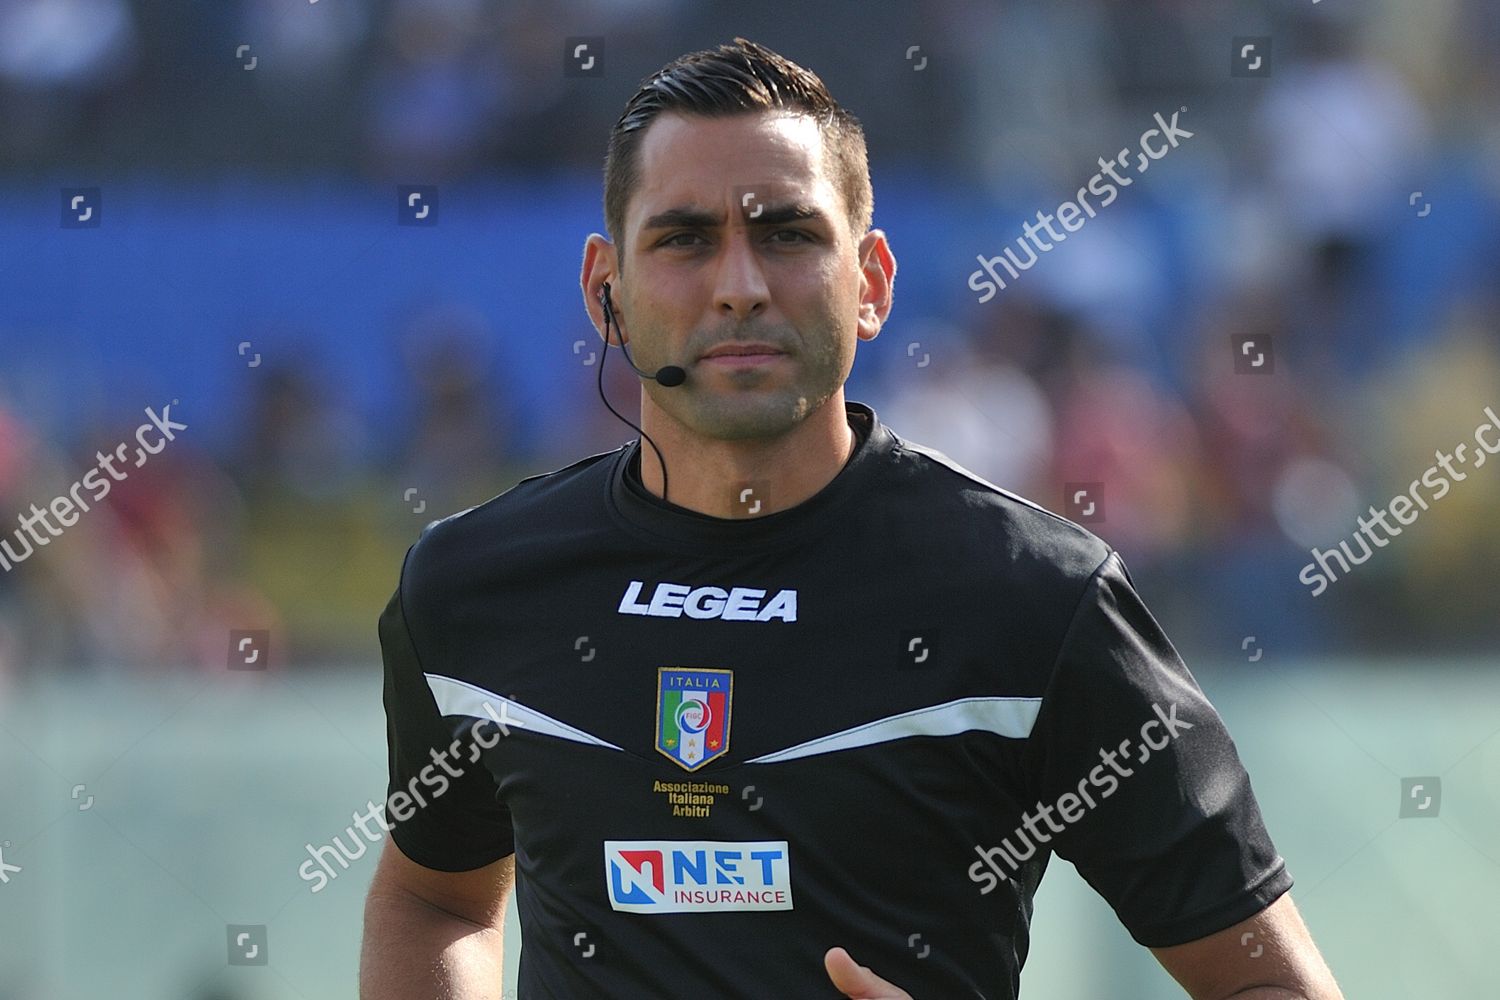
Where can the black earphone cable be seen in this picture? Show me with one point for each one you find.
(609, 319)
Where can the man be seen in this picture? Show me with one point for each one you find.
(787, 688)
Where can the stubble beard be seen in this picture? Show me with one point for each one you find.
(752, 404)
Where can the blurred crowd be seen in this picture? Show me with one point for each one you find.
(1294, 220)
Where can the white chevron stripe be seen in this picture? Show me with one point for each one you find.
(1011, 717)
(456, 697)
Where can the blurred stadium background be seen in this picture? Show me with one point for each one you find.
(344, 379)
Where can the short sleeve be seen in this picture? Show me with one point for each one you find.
(454, 820)
(1155, 809)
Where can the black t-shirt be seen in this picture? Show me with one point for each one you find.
(726, 745)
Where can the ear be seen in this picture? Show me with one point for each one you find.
(599, 269)
(877, 284)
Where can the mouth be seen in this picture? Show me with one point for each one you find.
(742, 354)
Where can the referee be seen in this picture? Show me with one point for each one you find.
(786, 693)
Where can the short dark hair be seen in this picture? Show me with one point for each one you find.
(740, 78)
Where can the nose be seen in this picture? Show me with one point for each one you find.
(740, 290)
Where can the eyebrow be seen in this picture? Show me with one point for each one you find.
(689, 217)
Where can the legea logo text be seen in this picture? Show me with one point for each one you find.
(745, 604)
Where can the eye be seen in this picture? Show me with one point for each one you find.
(801, 236)
(671, 241)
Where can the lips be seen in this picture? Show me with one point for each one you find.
(741, 350)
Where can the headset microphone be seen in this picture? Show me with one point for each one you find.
(667, 376)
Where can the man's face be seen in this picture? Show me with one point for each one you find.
(736, 235)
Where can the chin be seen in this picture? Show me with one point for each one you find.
(753, 414)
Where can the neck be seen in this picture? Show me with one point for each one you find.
(710, 476)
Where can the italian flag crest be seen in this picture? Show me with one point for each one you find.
(692, 714)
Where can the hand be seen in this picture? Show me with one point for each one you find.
(857, 982)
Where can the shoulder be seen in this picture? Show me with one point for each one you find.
(454, 553)
(1022, 541)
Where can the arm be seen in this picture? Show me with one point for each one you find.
(1177, 845)
(433, 935)
(435, 912)
(1270, 956)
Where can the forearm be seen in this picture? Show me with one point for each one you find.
(415, 951)
(1281, 993)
